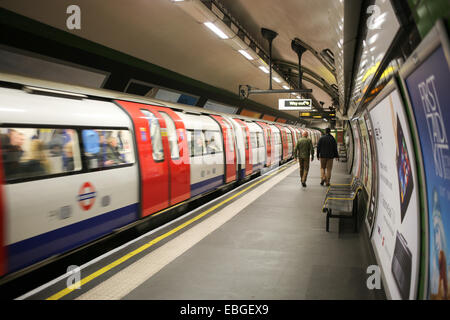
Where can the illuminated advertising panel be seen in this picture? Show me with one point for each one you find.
(427, 78)
(356, 171)
(395, 235)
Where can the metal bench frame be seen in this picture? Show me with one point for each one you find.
(343, 192)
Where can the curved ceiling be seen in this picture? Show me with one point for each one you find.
(160, 32)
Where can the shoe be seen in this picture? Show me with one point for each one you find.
(304, 184)
(322, 182)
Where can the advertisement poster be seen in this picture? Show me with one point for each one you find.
(349, 146)
(396, 230)
(366, 161)
(372, 181)
(428, 89)
(356, 171)
(340, 136)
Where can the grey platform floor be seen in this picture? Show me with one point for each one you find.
(276, 248)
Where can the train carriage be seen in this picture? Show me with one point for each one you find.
(78, 163)
(61, 186)
(258, 147)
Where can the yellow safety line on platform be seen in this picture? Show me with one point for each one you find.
(117, 262)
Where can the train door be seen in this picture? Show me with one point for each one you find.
(239, 147)
(290, 142)
(284, 143)
(257, 145)
(246, 139)
(179, 178)
(2, 220)
(294, 135)
(268, 143)
(153, 153)
(276, 144)
(230, 152)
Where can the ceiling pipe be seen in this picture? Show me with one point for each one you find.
(299, 50)
(269, 35)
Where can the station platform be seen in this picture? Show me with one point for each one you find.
(265, 240)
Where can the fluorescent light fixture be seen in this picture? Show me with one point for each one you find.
(264, 69)
(372, 39)
(246, 54)
(286, 87)
(216, 30)
(276, 79)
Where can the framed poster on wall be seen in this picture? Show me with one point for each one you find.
(367, 160)
(395, 237)
(426, 79)
(356, 169)
(372, 196)
(349, 145)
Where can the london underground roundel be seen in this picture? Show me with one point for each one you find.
(86, 196)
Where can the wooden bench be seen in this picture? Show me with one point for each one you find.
(343, 199)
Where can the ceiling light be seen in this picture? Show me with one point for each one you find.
(276, 79)
(216, 30)
(246, 54)
(373, 38)
(286, 87)
(264, 69)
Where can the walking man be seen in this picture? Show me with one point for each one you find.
(326, 152)
(303, 149)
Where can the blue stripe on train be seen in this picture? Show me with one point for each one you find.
(32, 250)
(206, 185)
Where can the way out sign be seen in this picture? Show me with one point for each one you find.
(294, 104)
(86, 196)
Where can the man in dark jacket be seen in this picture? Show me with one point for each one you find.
(326, 152)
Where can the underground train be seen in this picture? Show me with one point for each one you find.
(77, 163)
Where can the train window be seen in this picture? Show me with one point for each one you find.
(260, 140)
(253, 141)
(198, 143)
(189, 138)
(155, 135)
(230, 138)
(39, 152)
(104, 148)
(276, 138)
(213, 142)
(230, 135)
(289, 138)
(172, 135)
